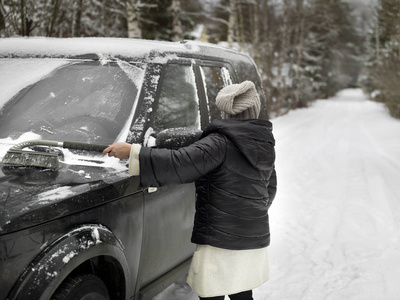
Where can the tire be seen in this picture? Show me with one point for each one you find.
(82, 287)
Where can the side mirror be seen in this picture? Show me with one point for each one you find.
(174, 138)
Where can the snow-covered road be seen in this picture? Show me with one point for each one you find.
(335, 223)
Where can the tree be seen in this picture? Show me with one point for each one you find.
(283, 55)
(77, 15)
(299, 82)
(134, 18)
(176, 20)
(2, 18)
(383, 67)
(16, 17)
(232, 22)
(331, 47)
(217, 15)
(54, 17)
(304, 49)
(256, 32)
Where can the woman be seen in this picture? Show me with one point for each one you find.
(232, 166)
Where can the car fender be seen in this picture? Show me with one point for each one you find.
(58, 260)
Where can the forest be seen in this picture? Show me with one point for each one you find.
(304, 49)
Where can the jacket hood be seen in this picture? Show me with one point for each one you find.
(253, 137)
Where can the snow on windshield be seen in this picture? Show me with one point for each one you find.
(16, 74)
(83, 101)
(136, 74)
(28, 71)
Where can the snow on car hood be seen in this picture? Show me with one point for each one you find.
(32, 196)
(27, 193)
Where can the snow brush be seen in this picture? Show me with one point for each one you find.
(15, 156)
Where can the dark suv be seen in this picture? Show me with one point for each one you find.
(87, 229)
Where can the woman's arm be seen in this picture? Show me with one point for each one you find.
(160, 167)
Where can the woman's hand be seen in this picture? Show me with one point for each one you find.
(119, 150)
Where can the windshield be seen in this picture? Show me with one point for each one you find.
(83, 101)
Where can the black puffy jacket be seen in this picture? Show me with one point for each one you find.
(233, 167)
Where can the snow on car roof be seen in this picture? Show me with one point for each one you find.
(123, 48)
(70, 47)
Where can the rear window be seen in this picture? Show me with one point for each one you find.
(84, 101)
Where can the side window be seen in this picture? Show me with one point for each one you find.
(215, 78)
(178, 103)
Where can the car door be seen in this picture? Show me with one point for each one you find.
(214, 76)
(169, 211)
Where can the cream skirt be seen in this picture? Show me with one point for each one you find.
(216, 272)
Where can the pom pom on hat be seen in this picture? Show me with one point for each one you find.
(239, 101)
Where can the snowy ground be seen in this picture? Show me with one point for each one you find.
(335, 223)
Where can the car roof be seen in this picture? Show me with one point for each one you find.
(99, 48)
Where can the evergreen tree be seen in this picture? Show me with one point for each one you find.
(383, 68)
(304, 49)
(332, 48)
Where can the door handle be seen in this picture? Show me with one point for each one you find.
(151, 190)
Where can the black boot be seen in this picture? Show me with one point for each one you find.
(247, 295)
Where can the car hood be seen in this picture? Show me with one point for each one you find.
(33, 196)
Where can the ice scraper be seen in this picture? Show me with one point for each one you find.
(16, 156)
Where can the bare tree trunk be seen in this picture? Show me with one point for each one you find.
(377, 46)
(26, 24)
(133, 18)
(2, 17)
(267, 51)
(256, 33)
(231, 22)
(299, 48)
(240, 34)
(23, 18)
(76, 21)
(176, 20)
(103, 17)
(54, 17)
(283, 54)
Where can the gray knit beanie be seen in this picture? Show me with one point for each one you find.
(239, 101)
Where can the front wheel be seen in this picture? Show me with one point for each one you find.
(82, 287)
